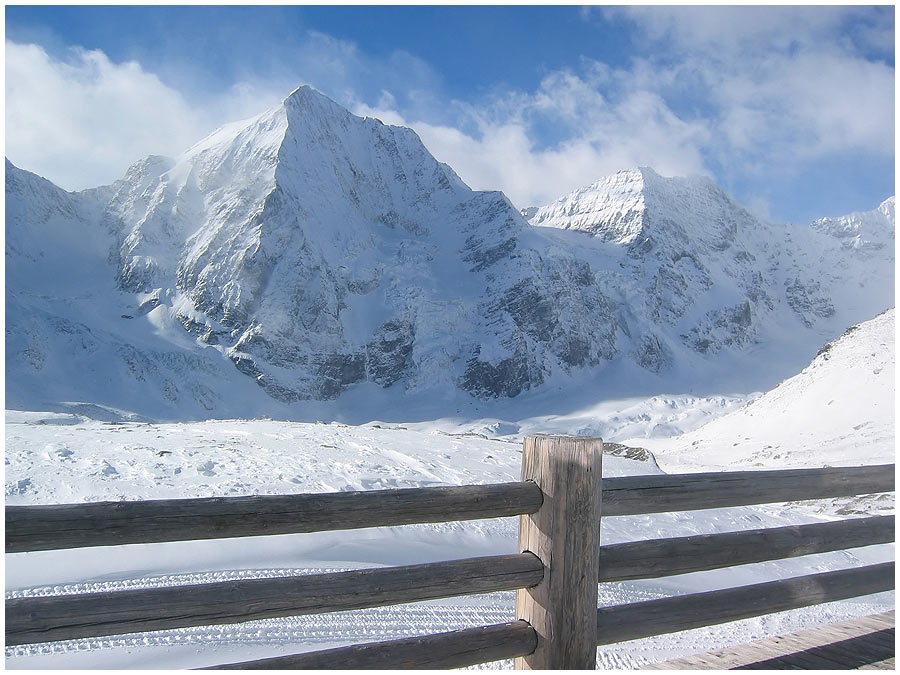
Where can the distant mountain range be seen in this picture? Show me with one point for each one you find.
(307, 251)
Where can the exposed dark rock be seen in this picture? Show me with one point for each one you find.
(389, 353)
(150, 303)
(333, 372)
(279, 392)
(807, 300)
(246, 365)
(726, 327)
(530, 309)
(628, 452)
(137, 274)
(652, 354)
(483, 256)
(508, 377)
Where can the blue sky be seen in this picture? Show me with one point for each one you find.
(790, 109)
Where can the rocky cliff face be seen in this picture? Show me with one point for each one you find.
(308, 251)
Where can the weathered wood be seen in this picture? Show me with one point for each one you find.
(681, 555)
(887, 664)
(668, 615)
(854, 643)
(41, 528)
(635, 495)
(456, 649)
(45, 619)
(565, 535)
(845, 653)
(33, 528)
(848, 644)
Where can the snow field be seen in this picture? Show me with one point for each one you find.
(53, 458)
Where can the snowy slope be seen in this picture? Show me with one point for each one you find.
(839, 411)
(870, 230)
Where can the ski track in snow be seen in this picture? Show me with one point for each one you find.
(204, 646)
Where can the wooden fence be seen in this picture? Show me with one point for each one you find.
(555, 573)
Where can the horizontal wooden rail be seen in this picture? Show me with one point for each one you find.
(668, 615)
(635, 495)
(42, 528)
(51, 527)
(46, 619)
(457, 649)
(681, 555)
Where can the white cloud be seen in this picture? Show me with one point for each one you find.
(784, 92)
(600, 137)
(811, 104)
(735, 89)
(775, 81)
(730, 30)
(83, 121)
(743, 89)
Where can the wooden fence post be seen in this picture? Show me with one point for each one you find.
(565, 535)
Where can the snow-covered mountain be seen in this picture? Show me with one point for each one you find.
(72, 339)
(315, 250)
(307, 252)
(699, 271)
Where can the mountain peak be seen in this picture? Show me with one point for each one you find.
(148, 168)
(307, 99)
(301, 92)
(623, 207)
(317, 251)
(611, 208)
(862, 230)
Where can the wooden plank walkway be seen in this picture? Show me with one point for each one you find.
(864, 643)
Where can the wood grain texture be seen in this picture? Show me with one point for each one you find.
(456, 649)
(855, 643)
(681, 555)
(565, 534)
(847, 654)
(668, 615)
(45, 619)
(634, 495)
(42, 528)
